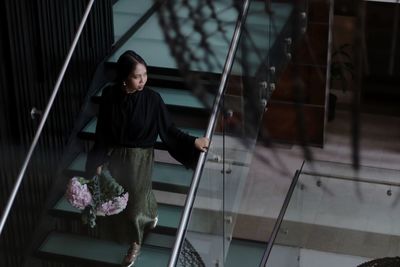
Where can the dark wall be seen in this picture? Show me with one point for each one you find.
(35, 39)
(381, 85)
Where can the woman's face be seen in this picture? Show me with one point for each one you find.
(137, 78)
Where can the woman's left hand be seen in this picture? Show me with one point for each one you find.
(202, 143)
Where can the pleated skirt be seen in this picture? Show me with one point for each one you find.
(132, 168)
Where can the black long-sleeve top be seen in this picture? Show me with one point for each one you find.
(135, 120)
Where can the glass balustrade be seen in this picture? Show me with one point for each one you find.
(335, 215)
(340, 216)
(257, 61)
(262, 51)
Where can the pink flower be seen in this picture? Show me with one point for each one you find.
(113, 206)
(77, 194)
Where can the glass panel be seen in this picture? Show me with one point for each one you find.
(244, 101)
(126, 13)
(340, 216)
(265, 49)
(219, 198)
(201, 41)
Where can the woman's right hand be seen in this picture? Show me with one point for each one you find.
(99, 169)
(202, 143)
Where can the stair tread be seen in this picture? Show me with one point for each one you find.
(125, 15)
(90, 129)
(164, 59)
(245, 253)
(168, 215)
(174, 97)
(165, 173)
(178, 97)
(139, 7)
(102, 251)
(150, 36)
(343, 170)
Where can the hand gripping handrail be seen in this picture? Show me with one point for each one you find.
(60, 78)
(210, 128)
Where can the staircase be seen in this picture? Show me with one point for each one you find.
(67, 243)
(168, 176)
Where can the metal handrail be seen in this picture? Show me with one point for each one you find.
(21, 174)
(210, 128)
(278, 223)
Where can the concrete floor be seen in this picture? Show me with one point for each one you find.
(354, 218)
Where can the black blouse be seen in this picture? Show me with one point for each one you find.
(136, 120)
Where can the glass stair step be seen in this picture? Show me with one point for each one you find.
(127, 6)
(126, 14)
(264, 31)
(146, 48)
(166, 176)
(168, 215)
(344, 171)
(245, 253)
(150, 38)
(172, 97)
(102, 252)
(89, 130)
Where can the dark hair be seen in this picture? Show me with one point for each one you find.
(126, 63)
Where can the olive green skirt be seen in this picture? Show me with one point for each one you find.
(132, 168)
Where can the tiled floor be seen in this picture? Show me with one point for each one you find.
(340, 206)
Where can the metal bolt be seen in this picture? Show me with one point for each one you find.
(35, 113)
(389, 192)
(228, 219)
(228, 171)
(319, 183)
(303, 15)
(272, 86)
(229, 113)
(272, 70)
(264, 102)
(288, 44)
(263, 85)
(217, 158)
(284, 231)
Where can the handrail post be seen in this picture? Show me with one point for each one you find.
(44, 118)
(279, 220)
(211, 125)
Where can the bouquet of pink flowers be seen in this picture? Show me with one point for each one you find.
(100, 196)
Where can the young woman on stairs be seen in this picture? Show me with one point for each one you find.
(130, 118)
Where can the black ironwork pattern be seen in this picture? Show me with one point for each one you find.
(189, 256)
(383, 262)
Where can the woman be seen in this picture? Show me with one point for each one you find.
(130, 118)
